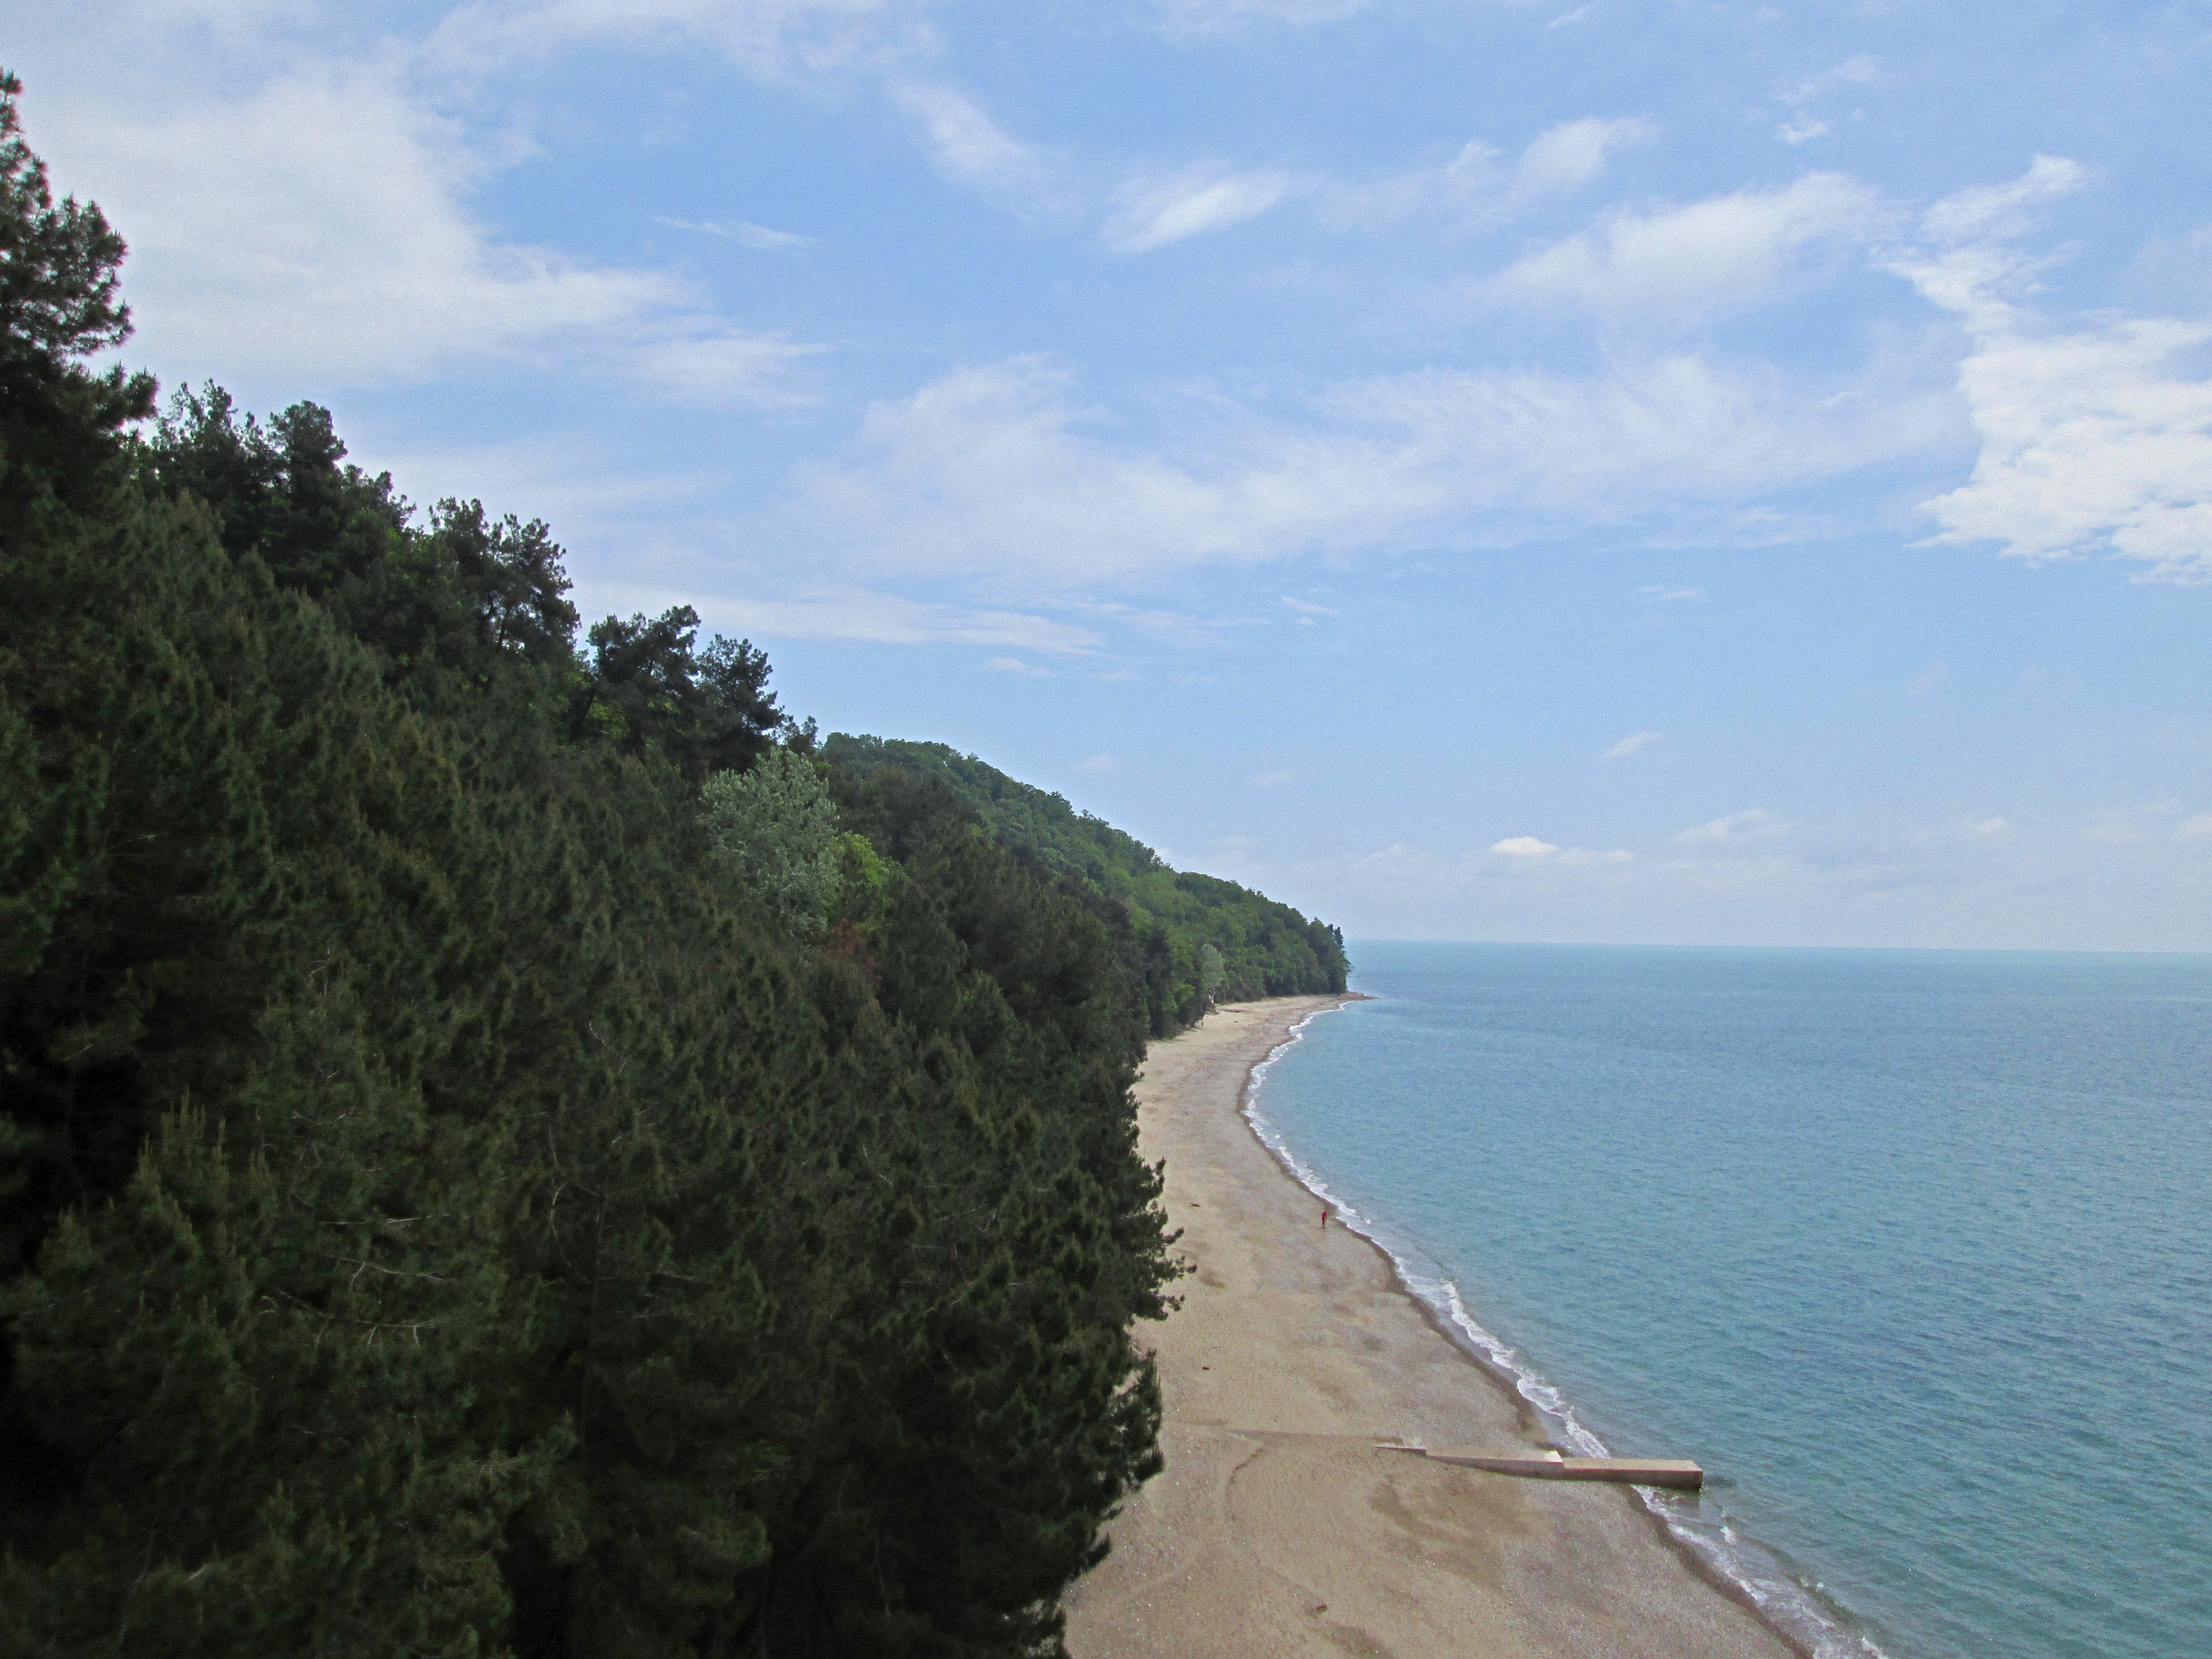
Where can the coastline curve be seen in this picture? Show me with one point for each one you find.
(1696, 1526)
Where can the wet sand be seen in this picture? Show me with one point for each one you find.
(1277, 1528)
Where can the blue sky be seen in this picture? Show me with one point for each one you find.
(1674, 473)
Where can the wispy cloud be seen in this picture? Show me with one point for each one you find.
(996, 471)
(2094, 440)
(1735, 829)
(1533, 852)
(1629, 745)
(1101, 761)
(771, 40)
(1983, 214)
(1477, 185)
(1803, 98)
(1576, 153)
(1680, 265)
(970, 148)
(1152, 211)
(744, 232)
(1981, 878)
(861, 615)
(732, 369)
(247, 250)
(1200, 19)
(1270, 779)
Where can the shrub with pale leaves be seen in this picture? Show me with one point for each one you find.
(775, 830)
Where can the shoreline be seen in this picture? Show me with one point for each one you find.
(1276, 1527)
(1528, 1413)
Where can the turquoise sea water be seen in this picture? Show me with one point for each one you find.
(1911, 1250)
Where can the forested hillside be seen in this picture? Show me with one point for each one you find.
(503, 1150)
(1200, 940)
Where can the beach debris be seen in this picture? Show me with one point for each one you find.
(1551, 1465)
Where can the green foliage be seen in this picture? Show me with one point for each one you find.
(456, 1198)
(775, 830)
(1259, 947)
(60, 301)
(706, 710)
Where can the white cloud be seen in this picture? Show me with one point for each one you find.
(354, 260)
(732, 369)
(773, 39)
(993, 470)
(1990, 830)
(2197, 827)
(1152, 209)
(1927, 680)
(1307, 608)
(1531, 853)
(2093, 440)
(1153, 212)
(970, 148)
(1202, 18)
(746, 233)
(1576, 153)
(348, 260)
(2142, 824)
(1471, 182)
(1016, 665)
(1476, 186)
(1629, 745)
(1802, 126)
(1679, 265)
(1989, 212)
(1980, 882)
(1735, 829)
(1101, 761)
(857, 615)
(1270, 779)
(1523, 847)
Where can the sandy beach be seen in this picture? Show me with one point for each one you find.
(1277, 1528)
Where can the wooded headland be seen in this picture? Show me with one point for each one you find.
(507, 1144)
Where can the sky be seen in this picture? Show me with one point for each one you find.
(1673, 472)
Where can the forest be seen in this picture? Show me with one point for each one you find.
(507, 1145)
(1200, 940)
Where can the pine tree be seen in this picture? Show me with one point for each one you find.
(442, 1210)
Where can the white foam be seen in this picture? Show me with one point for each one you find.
(1792, 1603)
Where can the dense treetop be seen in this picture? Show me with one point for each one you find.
(1260, 947)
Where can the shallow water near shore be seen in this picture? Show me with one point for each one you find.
(1911, 1250)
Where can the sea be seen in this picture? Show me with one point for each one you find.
(1911, 1250)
